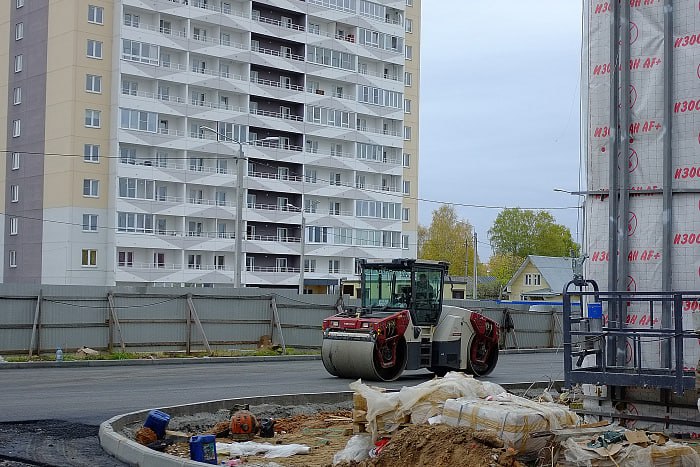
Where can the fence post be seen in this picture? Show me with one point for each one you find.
(193, 312)
(552, 325)
(275, 322)
(188, 330)
(36, 327)
(115, 320)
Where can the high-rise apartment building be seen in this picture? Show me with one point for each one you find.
(124, 119)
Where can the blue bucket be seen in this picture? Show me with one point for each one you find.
(595, 310)
(203, 449)
(157, 421)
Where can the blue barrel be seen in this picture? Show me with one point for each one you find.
(203, 449)
(157, 421)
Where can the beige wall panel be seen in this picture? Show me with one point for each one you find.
(67, 101)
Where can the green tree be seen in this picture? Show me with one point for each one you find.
(444, 240)
(503, 266)
(519, 233)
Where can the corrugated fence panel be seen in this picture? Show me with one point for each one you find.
(301, 317)
(71, 323)
(16, 319)
(155, 319)
(151, 322)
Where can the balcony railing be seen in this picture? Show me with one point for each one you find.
(284, 116)
(321, 92)
(274, 176)
(272, 207)
(215, 105)
(274, 22)
(366, 129)
(271, 269)
(166, 266)
(382, 75)
(276, 145)
(332, 6)
(273, 238)
(277, 84)
(159, 29)
(220, 41)
(154, 96)
(277, 53)
(169, 132)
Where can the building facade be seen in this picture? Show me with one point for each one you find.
(124, 119)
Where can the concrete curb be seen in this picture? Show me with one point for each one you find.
(129, 451)
(197, 360)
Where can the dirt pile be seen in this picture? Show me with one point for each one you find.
(442, 445)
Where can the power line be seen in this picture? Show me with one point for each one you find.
(355, 186)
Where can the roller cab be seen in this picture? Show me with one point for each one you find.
(401, 324)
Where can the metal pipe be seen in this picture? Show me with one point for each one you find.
(667, 219)
(624, 173)
(476, 274)
(613, 309)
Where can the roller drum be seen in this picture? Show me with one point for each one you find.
(357, 359)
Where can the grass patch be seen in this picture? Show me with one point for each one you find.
(253, 352)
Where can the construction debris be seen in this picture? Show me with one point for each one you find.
(455, 420)
(83, 352)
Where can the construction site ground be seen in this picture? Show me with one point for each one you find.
(327, 432)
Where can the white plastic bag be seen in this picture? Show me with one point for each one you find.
(250, 448)
(357, 449)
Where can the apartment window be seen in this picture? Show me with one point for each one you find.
(125, 258)
(19, 3)
(409, 52)
(14, 225)
(406, 187)
(91, 187)
(310, 265)
(89, 258)
(93, 83)
(408, 78)
(19, 62)
(405, 214)
(94, 48)
(194, 261)
(14, 193)
(16, 128)
(334, 266)
(91, 153)
(409, 25)
(406, 159)
(407, 106)
(404, 242)
(219, 262)
(407, 133)
(132, 119)
(533, 279)
(92, 118)
(12, 256)
(131, 19)
(15, 160)
(96, 14)
(159, 260)
(17, 96)
(19, 31)
(89, 222)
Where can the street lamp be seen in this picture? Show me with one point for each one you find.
(239, 202)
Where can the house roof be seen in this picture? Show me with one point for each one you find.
(555, 270)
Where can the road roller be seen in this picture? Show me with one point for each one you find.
(402, 324)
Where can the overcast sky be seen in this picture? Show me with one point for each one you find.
(499, 107)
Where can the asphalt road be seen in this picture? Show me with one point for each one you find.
(90, 395)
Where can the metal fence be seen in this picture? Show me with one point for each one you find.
(39, 319)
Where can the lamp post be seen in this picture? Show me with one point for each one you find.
(239, 202)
